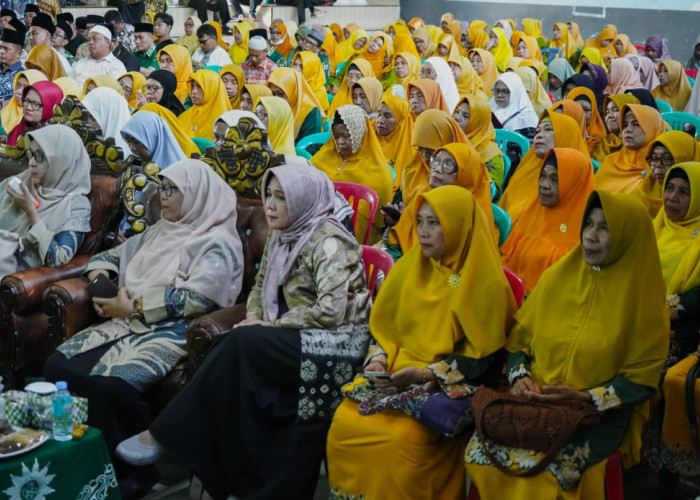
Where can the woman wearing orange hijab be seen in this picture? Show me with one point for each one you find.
(594, 123)
(414, 24)
(674, 87)
(394, 127)
(574, 110)
(45, 60)
(330, 46)
(553, 223)
(562, 40)
(337, 32)
(455, 29)
(612, 141)
(234, 79)
(281, 41)
(376, 54)
(605, 43)
(425, 94)
(485, 66)
(624, 171)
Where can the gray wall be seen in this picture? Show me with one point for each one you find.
(679, 28)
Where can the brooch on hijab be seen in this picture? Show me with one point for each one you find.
(695, 233)
(342, 165)
(596, 268)
(563, 228)
(193, 128)
(643, 173)
(453, 280)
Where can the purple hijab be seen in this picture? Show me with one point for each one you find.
(310, 198)
(657, 43)
(600, 81)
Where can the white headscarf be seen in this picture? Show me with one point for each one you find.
(446, 80)
(111, 111)
(231, 118)
(519, 113)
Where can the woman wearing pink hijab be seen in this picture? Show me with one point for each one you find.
(646, 69)
(622, 76)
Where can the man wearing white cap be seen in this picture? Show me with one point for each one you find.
(101, 61)
(258, 66)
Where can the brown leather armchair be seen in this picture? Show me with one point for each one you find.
(68, 307)
(24, 342)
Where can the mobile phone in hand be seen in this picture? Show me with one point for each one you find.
(102, 287)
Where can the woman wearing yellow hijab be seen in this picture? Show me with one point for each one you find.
(595, 129)
(424, 44)
(46, 60)
(468, 81)
(330, 46)
(612, 142)
(414, 24)
(478, 34)
(280, 123)
(553, 223)
(502, 51)
(605, 43)
(532, 27)
(308, 115)
(354, 46)
(234, 79)
(133, 81)
(176, 59)
(575, 33)
(623, 45)
(102, 81)
(12, 113)
(367, 93)
(69, 86)
(337, 32)
(562, 40)
(394, 127)
(572, 341)
(668, 149)
(485, 66)
(239, 48)
(404, 43)
(190, 40)
(209, 101)
(590, 55)
(251, 93)
(447, 47)
(526, 47)
(455, 29)
(624, 171)
(377, 54)
(311, 68)
(349, 29)
(219, 37)
(183, 139)
(358, 68)
(407, 70)
(674, 87)
(455, 324)
(446, 19)
(535, 91)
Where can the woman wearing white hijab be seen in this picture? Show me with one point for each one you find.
(46, 223)
(512, 106)
(230, 119)
(442, 74)
(111, 112)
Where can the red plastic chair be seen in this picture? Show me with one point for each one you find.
(375, 260)
(516, 284)
(691, 72)
(640, 48)
(355, 193)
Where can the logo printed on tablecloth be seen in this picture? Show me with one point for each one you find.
(32, 484)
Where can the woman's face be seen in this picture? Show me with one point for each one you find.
(154, 90)
(90, 87)
(166, 62)
(38, 164)
(676, 199)
(420, 44)
(443, 169)
(359, 43)
(523, 51)
(276, 205)
(401, 67)
(477, 63)
(443, 50)
(277, 92)
(170, 205)
(663, 74)
(595, 238)
(632, 133)
(138, 149)
(549, 186)
(127, 84)
(426, 154)
(556, 32)
(237, 37)
(189, 27)
(386, 121)
(587, 109)
(360, 99)
(297, 66)
(19, 88)
(353, 76)
(428, 71)
(220, 129)
(261, 113)
(461, 115)
(343, 140)
(501, 94)
(33, 107)
(660, 160)
(650, 52)
(375, 45)
(619, 47)
(197, 94)
(275, 35)
(231, 84)
(416, 101)
(246, 101)
(544, 138)
(456, 70)
(554, 82)
(429, 232)
(612, 117)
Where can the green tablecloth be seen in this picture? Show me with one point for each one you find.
(61, 470)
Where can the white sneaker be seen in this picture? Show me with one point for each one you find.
(318, 13)
(133, 451)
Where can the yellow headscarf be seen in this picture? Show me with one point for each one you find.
(46, 60)
(376, 59)
(138, 81)
(533, 48)
(447, 18)
(627, 47)
(239, 75)
(535, 91)
(103, 81)
(432, 94)
(595, 127)
(219, 36)
(609, 32)
(183, 68)
(565, 42)
(453, 48)
(430, 47)
(593, 56)
(574, 110)
(186, 144)
(612, 142)
(575, 32)
(478, 34)
(337, 32)
(331, 47)
(548, 233)
(191, 42)
(405, 43)
(256, 91)
(455, 29)
(683, 148)
(677, 91)
(415, 23)
(198, 121)
(490, 73)
(373, 91)
(396, 146)
(280, 124)
(300, 96)
(502, 52)
(468, 82)
(624, 171)
(347, 47)
(433, 129)
(479, 130)
(465, 305)
(532, 27)
(581, 325)
(70, 87)
(13, 112)
(344, 94)
(312, 70)
(239, 52)
(413, 71)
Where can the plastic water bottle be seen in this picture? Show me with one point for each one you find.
(62, 406)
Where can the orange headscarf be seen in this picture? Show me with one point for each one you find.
(595, 127)
(331, 47)
(285, 46)
(455, 29)
(490, 73)
(609, 32)
(219, 37)
(376, 59)
(45, 60)
(612, 143)
(677, 91)
(396, 146)
(416, 23)
(300, 96)
(344, 94)
(431, 93)
(337, 32)
(239, 75)
(574, 110)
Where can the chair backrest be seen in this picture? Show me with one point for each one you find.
(202, 144)
(375, 260)
(551, 53)
(516, 284)
(503, 137)
(663, 106)
(677, 119)
(596, 165)
(318, 139)
(691, 80)
(691, 72)
(502, 220)
(106, 210)
(355, 193)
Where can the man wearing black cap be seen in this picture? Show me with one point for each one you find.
(41, 33)
(30, 11)
(101, 61)
(145, 47)
(60, 39)
(77, 39)
(11, 46)
(5, 16)
(92, 19)
(163, 24)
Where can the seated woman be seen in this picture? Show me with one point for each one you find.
(437, 69)
(424, 43)
(291, 86)
(305, 331)
(465, 76)
(358, 68)
(668, 149)
(150, 139)
(612, 142)
(251, 93)
(209, 100)
(485, 66)
(234, 79)
(512, 106)
(309, 65)
(176, 59)
(38, 101)
(552, 225)
(499, 46)
(425, 94)
(407, 70)
(46, 60)
(367, 93)
(473, 114)
(595, 130)
(674, 87)
(624, 171)
(622, 76)
(187, 264)
(535, 91)
(133, 84)
(446, 336)
(108, 112)
(276, 115)
(185, 141)
(559, 70)
(353, 154)
(45, 223)
(394, 127)
(96, 81)
(189, 40)
(160, 89)
(12, 113)
(570, 341)
(575, 111)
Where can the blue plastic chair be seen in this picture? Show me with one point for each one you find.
(330, 97)
(677, 119)
(494, 191)
(503, 223)
(663, 106)
(314, 139)
(596, 165)
(326, 125)
(202, 143)
(691, 80)
(503, 137)
(551, 53)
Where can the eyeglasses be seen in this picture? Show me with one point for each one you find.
(665, 160)
(36, 154)
(28, 103)
(446, 167)
(166, 189)
(153, 88)
(498, 91)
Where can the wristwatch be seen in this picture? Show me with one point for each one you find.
(137, 310)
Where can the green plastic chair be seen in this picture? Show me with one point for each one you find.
(663, 106)
(503, 137)
(202, 143)
(314, 139)
(596, 165)
(503, 223)
(330, 97)
(691, 80)
(677, 119)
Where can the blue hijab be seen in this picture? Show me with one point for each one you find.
(151, 130)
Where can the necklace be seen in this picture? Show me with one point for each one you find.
(342, 165)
